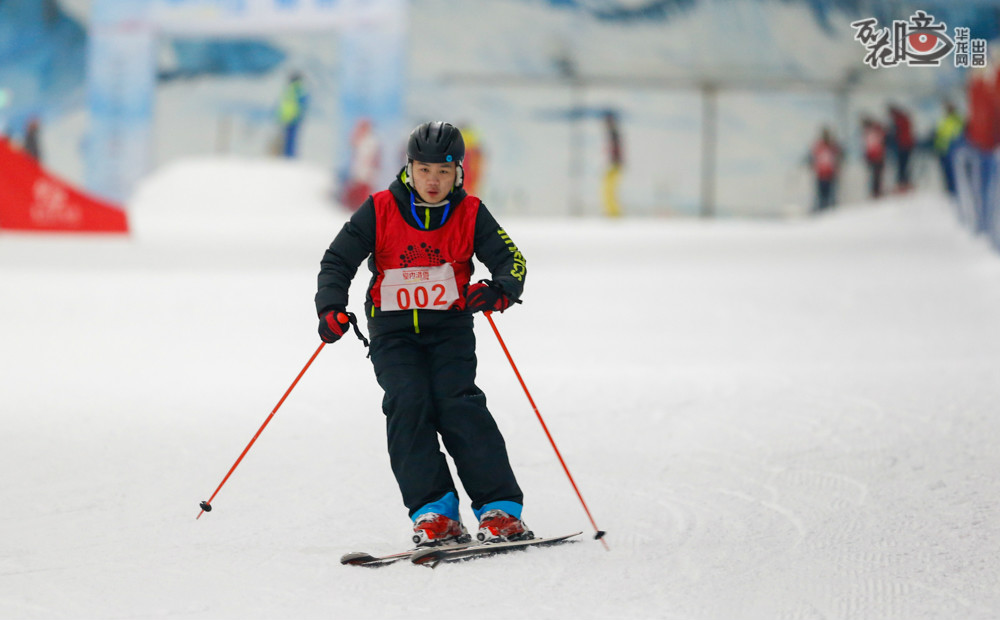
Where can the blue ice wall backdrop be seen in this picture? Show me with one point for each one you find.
(718, 101)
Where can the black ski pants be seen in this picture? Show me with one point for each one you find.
(429, 382)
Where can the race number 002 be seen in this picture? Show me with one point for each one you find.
(420, 296)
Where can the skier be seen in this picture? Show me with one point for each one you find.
(419, 237)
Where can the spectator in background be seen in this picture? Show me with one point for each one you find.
(32, 140)
(612, 175)
(873, 136)
(4, 101)
(982, 136)
(825, 158)
(946, 135)
(474, 160)
(291, 111)
(903, 143)
(364, 166)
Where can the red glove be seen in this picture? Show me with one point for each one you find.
(333, 324)
(486, 297)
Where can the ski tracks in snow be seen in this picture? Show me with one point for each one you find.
(776, 514)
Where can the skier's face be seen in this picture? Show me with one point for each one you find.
(433, 181)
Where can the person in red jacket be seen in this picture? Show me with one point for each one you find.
(825, 158)
(873, 136)
(419, 237)
(363, 166)
(982, 137)
(982, 128)
(903, 143)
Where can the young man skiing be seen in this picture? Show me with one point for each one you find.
(419, 237)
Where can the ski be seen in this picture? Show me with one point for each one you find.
(434, 556)
(360, 558)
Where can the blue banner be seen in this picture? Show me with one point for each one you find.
(121, 73)
(372, 86)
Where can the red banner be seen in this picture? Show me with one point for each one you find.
(32, 199)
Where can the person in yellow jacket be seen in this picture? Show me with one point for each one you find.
(946, 136)
(612, 175)
(291, 111)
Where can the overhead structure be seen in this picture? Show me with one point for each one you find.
(121, 70)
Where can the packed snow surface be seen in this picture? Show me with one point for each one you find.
(781, 419)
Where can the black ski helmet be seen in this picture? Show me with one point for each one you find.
(436, 142)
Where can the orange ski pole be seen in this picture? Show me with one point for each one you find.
(206, 506)
(599, 534)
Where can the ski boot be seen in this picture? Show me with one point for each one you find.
(432, 529)
(498, 526)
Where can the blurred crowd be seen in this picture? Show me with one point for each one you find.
(892, 140)
(965, 147)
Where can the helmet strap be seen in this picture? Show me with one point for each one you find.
(408, 175)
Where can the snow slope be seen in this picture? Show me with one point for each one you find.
(771, 419)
